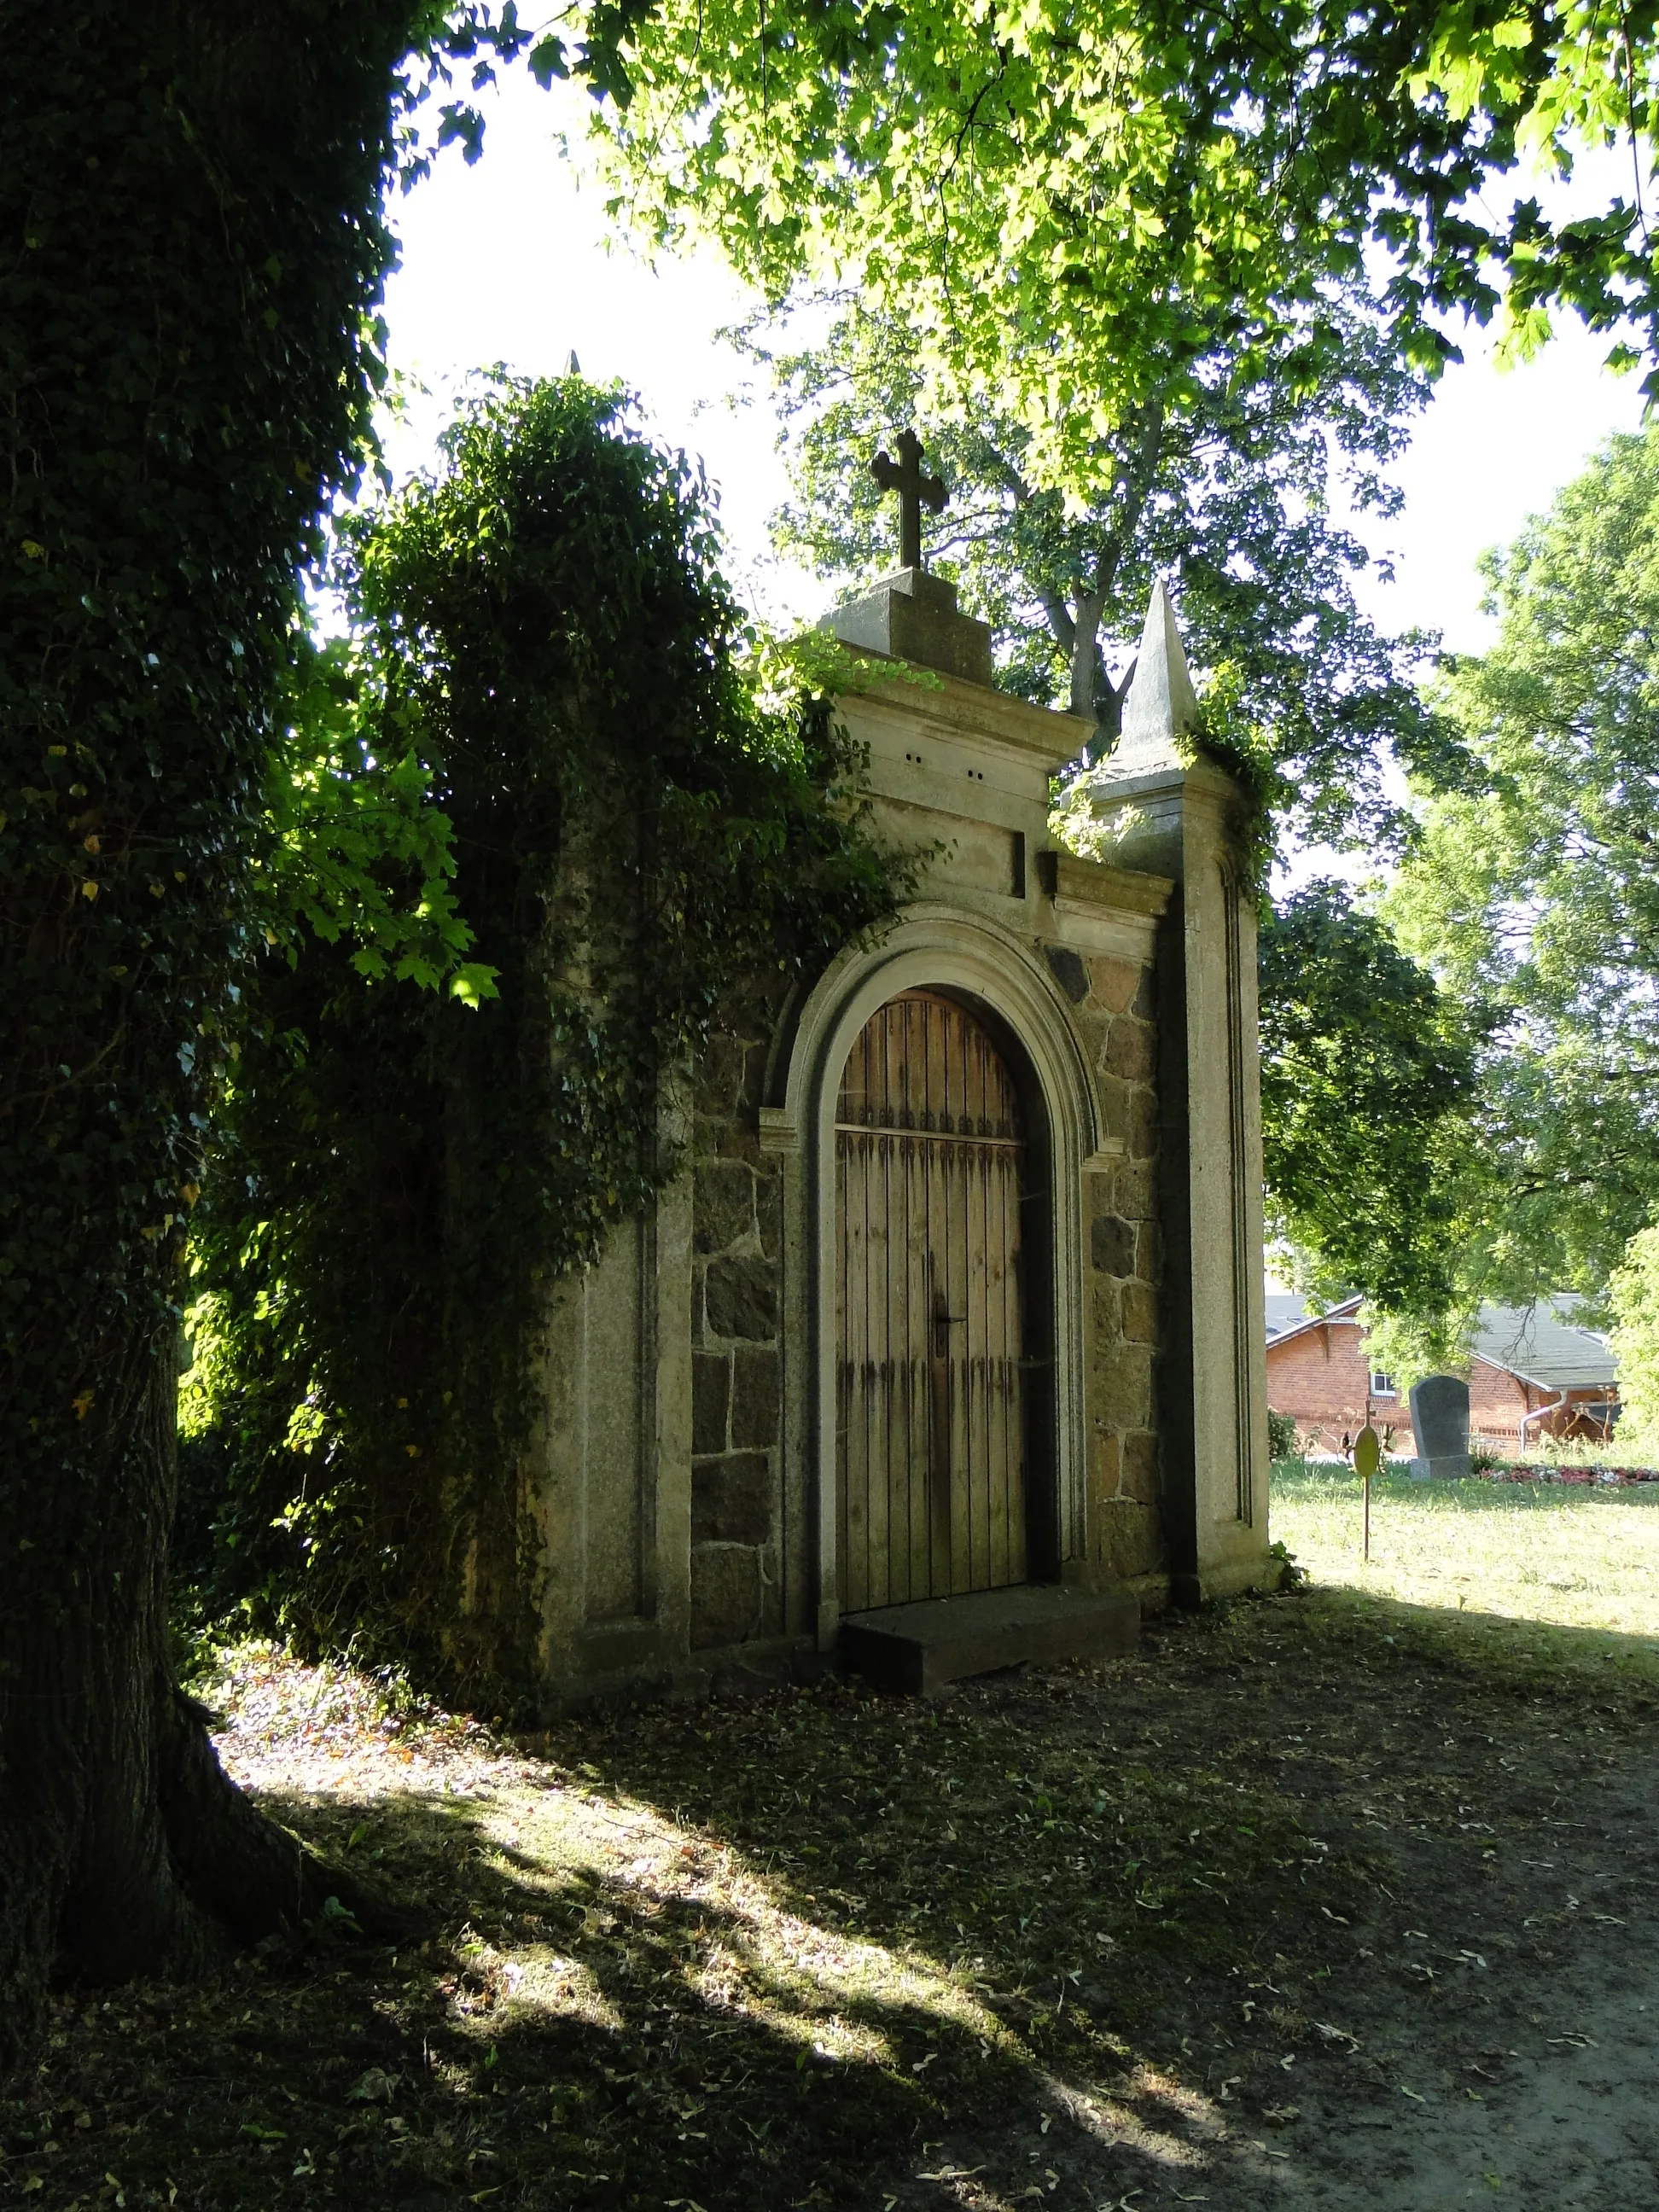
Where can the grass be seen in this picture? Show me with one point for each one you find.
(1551, 1557)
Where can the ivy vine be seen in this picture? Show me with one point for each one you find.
(397, 1176)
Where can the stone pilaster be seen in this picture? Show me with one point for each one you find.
(1163, 811)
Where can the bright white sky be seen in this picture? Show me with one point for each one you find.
(510, 261)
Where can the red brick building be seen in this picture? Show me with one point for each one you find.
(1533, 1373)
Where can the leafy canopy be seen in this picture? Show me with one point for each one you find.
(1633, 1296)
(1070, 208)
(1536, 902)
(1366, 1095)
(1232, 499)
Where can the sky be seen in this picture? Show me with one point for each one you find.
(511, 261)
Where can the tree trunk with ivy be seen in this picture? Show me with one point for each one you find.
(192, 246)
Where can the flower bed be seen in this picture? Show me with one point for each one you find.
(1612, 1476)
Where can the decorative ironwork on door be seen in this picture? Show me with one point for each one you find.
(930, 1167)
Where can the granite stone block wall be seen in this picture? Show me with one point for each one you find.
(736, 1358)
(1115, 1017)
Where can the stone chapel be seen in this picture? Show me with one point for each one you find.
(947, 1347)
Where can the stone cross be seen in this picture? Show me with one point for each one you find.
(915, 491)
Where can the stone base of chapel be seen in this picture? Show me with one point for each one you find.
(918, 1648)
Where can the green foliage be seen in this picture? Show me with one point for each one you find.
(1555, 79)
(1282, 1438)
(398, 1177)
(1230, 493)
(189, 361)
(1633, 1296)
(1292, 1574)
(1430, 1340)
(1536, 901)
(351, 846)
(189, 365)
(1071, 209)
(1366, 1093)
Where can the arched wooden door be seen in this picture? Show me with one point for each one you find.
(930, 1166)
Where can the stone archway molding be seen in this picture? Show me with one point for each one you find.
(929, 948)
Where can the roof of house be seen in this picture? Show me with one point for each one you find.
(1288, 1315)
(1542, 1343)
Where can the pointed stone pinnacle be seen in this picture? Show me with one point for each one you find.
(1162, 705)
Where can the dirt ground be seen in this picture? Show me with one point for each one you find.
(1316, 1900)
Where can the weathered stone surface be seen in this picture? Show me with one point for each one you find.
(1142, 1131)
(726, 1137)
(1116, 1105)
(741, 1299)
(1130, 1541)
(1129, 1050)
(720, 1069)
(1068, 971)
(755, 1399)
(769, 1210)
(913, 615)
(1139, 1463)
(1106, 1464)
(1113, 982)
(754, 1075)
(1112, 1245)
(1139, 1313)
(1135, 1184)
(1107, 1313)
(725, 1593)
(732, 1499)
(723, 1204)
(1149, 1251)
(711, 1389)
(1127, 1373)
(916, 1648)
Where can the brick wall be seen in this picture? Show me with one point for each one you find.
(1319, 1377)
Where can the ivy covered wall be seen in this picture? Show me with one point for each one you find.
(397, 1177)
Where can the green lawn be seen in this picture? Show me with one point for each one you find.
(1559, 1555)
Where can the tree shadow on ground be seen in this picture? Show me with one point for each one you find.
(1063, 1937)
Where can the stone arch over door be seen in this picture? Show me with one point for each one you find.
(1004, 982)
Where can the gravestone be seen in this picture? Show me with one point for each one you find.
(1440, 1422)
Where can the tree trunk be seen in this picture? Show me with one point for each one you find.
(124, 1846)
(189, 241)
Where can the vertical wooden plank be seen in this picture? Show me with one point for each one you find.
(930, 1450)
(919, 1308)
(846, 1386)
(1017, 1379)
(886, 1387)
(981, 1367)
(865, 1459)
(920, 1286)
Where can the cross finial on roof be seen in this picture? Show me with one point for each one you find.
(915, 491)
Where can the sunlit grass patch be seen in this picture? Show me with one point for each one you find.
(1555, 1558)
